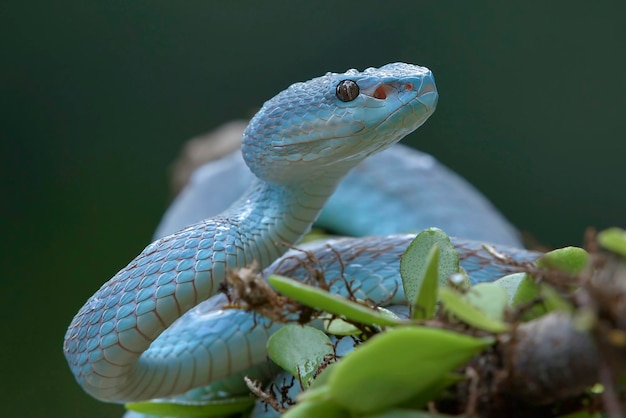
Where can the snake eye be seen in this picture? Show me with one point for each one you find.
(347, 90)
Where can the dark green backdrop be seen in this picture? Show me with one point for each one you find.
(97, 97)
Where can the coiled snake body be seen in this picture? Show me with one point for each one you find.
(299, 146)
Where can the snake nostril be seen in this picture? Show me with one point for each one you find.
(408, 86)
(380, 93)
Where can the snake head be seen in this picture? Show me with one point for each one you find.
(335, 121)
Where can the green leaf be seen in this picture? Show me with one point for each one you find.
(396, 365)
(337, 326)
(457, 305)
(527, 291)
(316, 409)
(334, 304)
(214, 408)
(489, 298)
(553, 301)
(300, 350)
(431, 393)
(424, 306)
(316, 392)
(512, 286)
(415, 263)
(571, 260)
(613, 239)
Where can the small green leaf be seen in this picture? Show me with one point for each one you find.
(527, 292)
(512, 286)
(424, 306)
(571, 260)
(300, 350)
(337, 326)
(455, 303)
(553, 301)
(396, 365)
(214, 408)
(334, 304)
(316, 409)
(415, 263)
(613, 239)
(490, 298)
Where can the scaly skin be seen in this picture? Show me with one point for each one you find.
(299, 145)
(371, 264)
(395, 191)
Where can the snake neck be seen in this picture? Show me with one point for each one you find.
(277, 216)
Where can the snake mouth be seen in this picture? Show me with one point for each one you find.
(426, 95)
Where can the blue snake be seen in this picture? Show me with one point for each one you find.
(397, 190)
(151, 331)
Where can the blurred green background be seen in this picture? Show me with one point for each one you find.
(97, 97)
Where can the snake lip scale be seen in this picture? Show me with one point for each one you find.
(121, 345)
